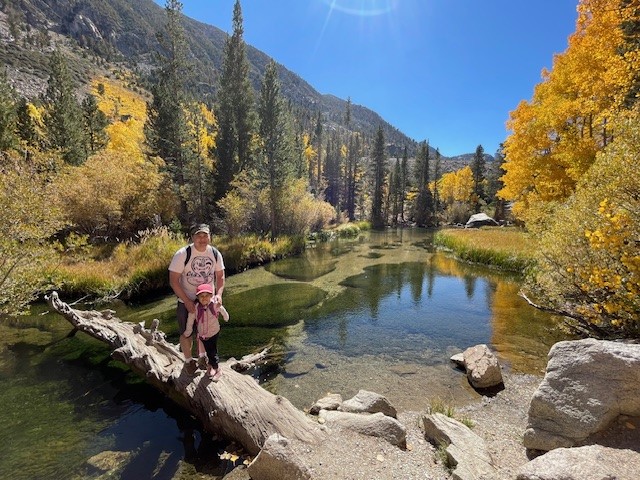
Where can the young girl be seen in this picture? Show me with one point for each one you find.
(207, 327)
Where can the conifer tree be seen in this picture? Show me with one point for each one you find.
(437, 173)
(395, 180)
(332, 171)
(8, 114)
(495, 184)
(315, 179)
(235, 110)
(353, 173)
(95, 124)
(379, 163)
(25, 126)
(345, 158)
(63, 118)
(424, 200)
(477, 167)
(166, 129)
(403, 182)
(277, 164)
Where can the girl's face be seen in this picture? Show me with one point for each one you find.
(204, 298)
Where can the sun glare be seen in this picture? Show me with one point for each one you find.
(362, 8)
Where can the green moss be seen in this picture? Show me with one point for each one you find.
(273, 305)
(306, 271)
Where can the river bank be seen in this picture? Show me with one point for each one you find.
(499, 420)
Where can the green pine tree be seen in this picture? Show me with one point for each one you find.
(437, 173)
(166, 130)
(477, 168)
(95, 124)
(235, 110)
(63, 117)
(8, 114)
(277, 164)
(379, 163)
(424, 201)
(26, 127)
(495, 184)
(403, 182)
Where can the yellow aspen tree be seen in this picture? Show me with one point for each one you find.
(309, 152)
(589, 261)
(201, 130)
(557, 134)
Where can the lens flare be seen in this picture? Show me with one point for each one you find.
(362, 8)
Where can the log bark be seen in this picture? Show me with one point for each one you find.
(236, 407)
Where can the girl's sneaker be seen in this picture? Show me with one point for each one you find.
(216, 374)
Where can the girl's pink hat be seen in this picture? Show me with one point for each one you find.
(204, 288)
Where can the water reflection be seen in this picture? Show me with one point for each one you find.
(382, 312)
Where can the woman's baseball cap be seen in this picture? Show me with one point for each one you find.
(203, 227)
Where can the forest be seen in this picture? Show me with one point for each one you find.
(121, 168)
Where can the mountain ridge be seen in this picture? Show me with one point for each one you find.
(125, 31)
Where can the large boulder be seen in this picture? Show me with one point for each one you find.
(368, 402)
(278, 460)
(593, 462)
(466, 452)
(587, 385)
(483, 369)
(374, 425)
(331, 402)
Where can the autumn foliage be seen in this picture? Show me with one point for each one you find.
(589, 259)
(557, 134)
(571, 172)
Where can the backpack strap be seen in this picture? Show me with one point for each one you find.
(188, 257)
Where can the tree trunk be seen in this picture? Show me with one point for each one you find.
(235, 407)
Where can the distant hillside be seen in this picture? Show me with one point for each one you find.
(100, 32)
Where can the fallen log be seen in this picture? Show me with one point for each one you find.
(235, 407)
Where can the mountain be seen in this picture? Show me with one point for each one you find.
(100, 33)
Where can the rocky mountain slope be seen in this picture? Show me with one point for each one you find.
(99, 33)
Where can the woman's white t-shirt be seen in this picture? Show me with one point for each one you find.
(200, 268)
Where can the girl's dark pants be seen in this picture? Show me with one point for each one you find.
(211, 347)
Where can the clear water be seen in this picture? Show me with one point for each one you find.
(381, 313)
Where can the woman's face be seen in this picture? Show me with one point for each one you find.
(201, 240)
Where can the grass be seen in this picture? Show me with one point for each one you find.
(506, 248)
(133, 270)
(437, 405)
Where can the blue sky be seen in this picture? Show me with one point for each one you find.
(446, 71)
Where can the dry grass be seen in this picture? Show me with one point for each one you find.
(507, 248)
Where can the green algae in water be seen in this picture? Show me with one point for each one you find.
(373, 255)
(302, 270)
(273, 306)
(40, 419)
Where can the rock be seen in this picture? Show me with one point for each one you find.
(238, 473)
(466, 451)
(277, 460)
(331, 402)
(458, 359)
(375, 425)
(593, 462)
(483, 369)
(587, 385)
(109, 460)
(368, 402)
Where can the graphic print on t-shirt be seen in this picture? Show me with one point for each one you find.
(201, 271)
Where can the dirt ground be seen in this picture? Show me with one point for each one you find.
(499, 420)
